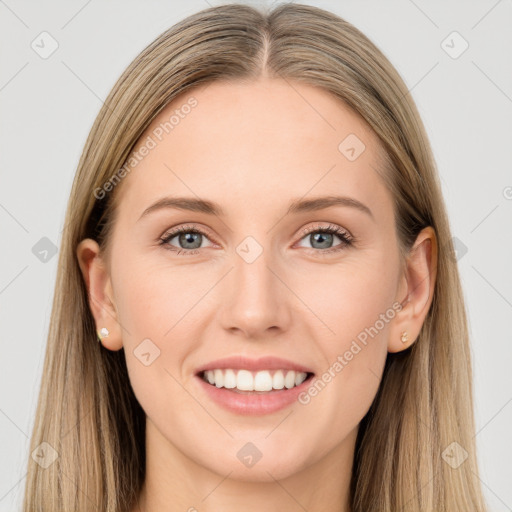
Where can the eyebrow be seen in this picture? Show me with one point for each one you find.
(297, 206)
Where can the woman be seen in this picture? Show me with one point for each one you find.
(257, 237)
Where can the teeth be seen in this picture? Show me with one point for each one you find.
(229, 379)
(218, 376)
(278, 380)
(263, 381)
(245, 380)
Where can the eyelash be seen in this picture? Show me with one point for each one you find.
(346, 239)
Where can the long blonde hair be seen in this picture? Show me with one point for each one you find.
(86, 408)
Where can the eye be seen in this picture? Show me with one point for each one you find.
(189, 239)
(321, 238)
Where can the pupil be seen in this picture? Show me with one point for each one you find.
(322, 238)
(187, 238)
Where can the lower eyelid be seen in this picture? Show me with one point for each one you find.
(340, 233)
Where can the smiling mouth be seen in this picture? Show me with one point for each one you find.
(254, 382)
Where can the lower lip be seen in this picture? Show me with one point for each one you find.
(253, 404)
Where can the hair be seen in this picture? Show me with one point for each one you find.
(87, 410)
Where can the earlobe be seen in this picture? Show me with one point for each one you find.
(419, 283)
(99, 292)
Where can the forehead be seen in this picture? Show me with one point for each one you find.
(254, 144)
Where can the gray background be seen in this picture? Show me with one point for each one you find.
(48, 107)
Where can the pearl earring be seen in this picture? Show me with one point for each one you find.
(404, 337)
(102, 334)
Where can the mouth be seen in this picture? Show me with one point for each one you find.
(244, 381)
(247, 386)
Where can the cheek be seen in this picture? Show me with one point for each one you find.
(153, 298)
(155, 306)
(350, 296)
(356, 305)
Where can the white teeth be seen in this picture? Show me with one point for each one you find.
(229, 379)
(263, 381)
(278, 380)
(219, 378)
(289, 380)
(245, 380)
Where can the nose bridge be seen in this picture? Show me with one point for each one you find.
(255, 299)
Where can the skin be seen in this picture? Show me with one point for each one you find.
(253, 148)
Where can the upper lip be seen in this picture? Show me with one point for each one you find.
(262, 363)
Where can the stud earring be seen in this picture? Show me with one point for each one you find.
(103, 333)
(404, 337)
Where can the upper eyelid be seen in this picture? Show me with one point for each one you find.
(185, 228)
(171, 233)
(312, 229)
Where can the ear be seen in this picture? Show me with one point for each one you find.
(100, 293)
(417, 286)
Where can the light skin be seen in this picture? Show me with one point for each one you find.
(253, 148)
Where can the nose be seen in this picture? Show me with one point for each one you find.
(257, 299)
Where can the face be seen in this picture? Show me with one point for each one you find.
(261, 278)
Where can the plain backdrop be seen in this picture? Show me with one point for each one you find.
(461, 82)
